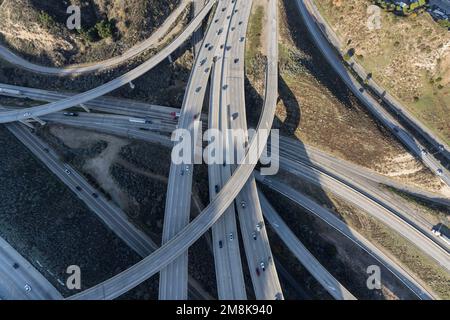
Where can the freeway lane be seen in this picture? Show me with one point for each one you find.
(416, 220)
(33, 112)
(375, 209)
(333, 286)
(233, 115)
(138, 273)
(110, 214)
(139, 48)
(162, 113)
(173, 278)
(374, 107)
(292, 150)
(227, 255)
(13, 279)
(322, 213)
(333, 221)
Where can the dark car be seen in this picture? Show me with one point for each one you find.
(71, 114)
(220, 244)
(95, 195)
(257, 272)
(79, 188)
(217, 188)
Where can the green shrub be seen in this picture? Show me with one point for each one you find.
(89, 35)
(46, 20)
(104, 29)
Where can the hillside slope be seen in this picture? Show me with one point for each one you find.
(37, 29)
(409, 56)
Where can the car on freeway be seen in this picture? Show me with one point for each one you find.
(16, 265)
(279, 296)
(231, 236)
(187, 169)
(258, 227)
(439, 172)
(220, 244)
(243, 204)
(95, 195)
(263, 266)
(254, 236)
(27, 288)
(67, 171)
(424, 152)
(27, 114)
(216, 188)
(257, 272)
(236, 60)
(71, 114)
(79, 188)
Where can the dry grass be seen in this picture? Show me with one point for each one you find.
(409, 56)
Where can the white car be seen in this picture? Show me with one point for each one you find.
(67, 171)
(27, 288)
(439, 172)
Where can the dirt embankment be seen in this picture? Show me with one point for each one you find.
(409, 56)
(316, 108)
(37, 29)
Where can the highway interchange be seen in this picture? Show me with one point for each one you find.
(233, 189)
